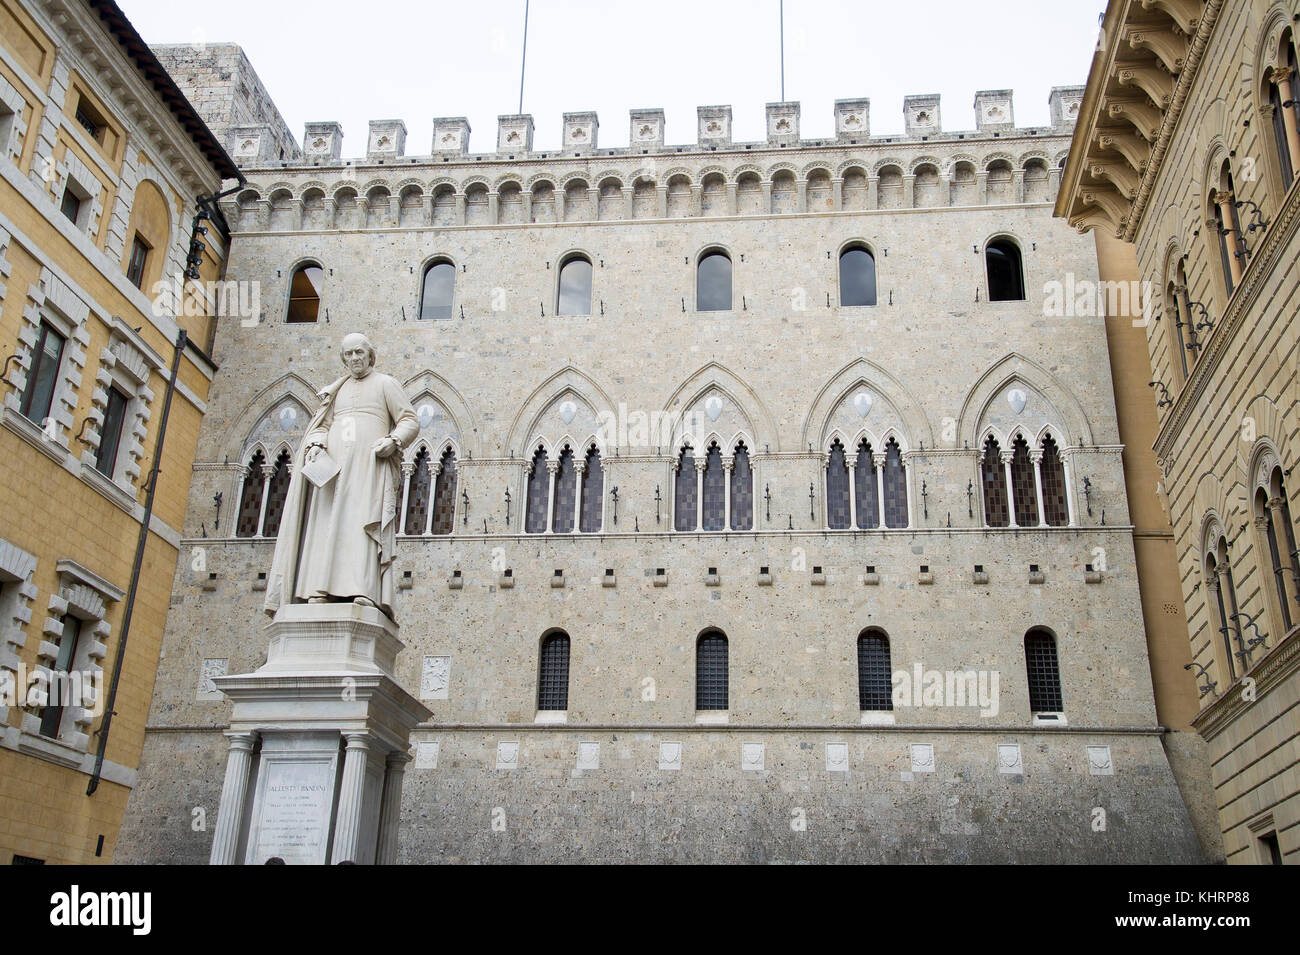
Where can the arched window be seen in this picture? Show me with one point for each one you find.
(538, 493)
(1024, 485)
(742, 490)
(1223, 597)
(1044, 672)
(437, 291)
(895, 479)
(304, 293)
(715, 491)
(993, 482)
(1178, 329)
(444, 495)
(593, 493)
(1005, 270)
(684, 497)
(1273, 521)
(1283, 94)
(250, 499)
(1227, 226)
(711, 671)
(553, 673)
(874, 675)
(713, 282)
(1268, 531)
(417, 494)
(857, 276)
(276, 491)
(837, 488)
(574, 294)
(566, 493)
(866, 480)
(1056, 510)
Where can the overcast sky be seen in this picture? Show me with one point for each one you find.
(378, 59)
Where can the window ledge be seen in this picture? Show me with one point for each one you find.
(711, 717)
(551, 716)
(53, 750)
(1050, 719)
(110, 489)
(16, 422)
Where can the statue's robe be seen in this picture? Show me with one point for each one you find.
(337, 541)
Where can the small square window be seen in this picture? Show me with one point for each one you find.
(71, 205)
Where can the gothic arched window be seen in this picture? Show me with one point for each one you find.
(742, 490)
(711, 676)
(713, 282)
(895, 486)
(1024, 485)
(857, 276)
(1227, 226)
(1283, 93)
(250, 499)
(566, 491)
(1044, 672)
(874, 676)
(444, 495)
(593, 493)
(538, 490)
(1056, 507)
(993, 483)
(1005, 271)
(837, 488)
(438, 290)
(553, 673)
(715, 491)
(417, 494)
(1223, 596)
(276, 492)
(866, 487)
(573, 296)
(684, 502)
(304, 293)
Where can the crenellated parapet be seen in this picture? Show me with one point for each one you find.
(997, 163)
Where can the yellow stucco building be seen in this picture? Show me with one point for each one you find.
(102, 160)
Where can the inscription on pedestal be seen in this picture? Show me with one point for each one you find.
(295, 813)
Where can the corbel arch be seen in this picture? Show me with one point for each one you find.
(888, 403)
(998, 380)
(690, 409)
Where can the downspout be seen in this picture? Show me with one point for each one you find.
(107, 722)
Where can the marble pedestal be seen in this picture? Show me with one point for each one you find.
(318, 742)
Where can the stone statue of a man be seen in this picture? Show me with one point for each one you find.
(336, 541)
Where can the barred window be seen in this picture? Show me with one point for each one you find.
(444, 495)
(417, 495)
(553, 677)
(742, 490)
(711, 671)
(684, 502)
(874, 684)
(250, 500)
(715, 491)
(895, 486)
(1044, 674)
(993, 481)
(868, 503)
(276, 492)
(538, 488)
(593, 493)
(837, 488)
(1023, 485)
(566, 489)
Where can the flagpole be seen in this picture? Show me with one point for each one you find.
(523, 59)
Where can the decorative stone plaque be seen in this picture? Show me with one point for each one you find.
(1099, 763)
(207, 689)
(426, 754)
(434, 678)
(751, 756)
(293, 815)
(670, 756)
(922, 757)
(589, 756)
(507, 755)
(1009, 759)
(837, 757)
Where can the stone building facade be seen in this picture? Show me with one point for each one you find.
(1187, 147)
(101, 162)
(667, 552)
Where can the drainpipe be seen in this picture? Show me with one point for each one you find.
(107, 722)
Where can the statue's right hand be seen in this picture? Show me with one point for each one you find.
(314, 450)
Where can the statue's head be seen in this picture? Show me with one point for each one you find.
(358, 354)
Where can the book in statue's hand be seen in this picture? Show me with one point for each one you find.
(321, 469)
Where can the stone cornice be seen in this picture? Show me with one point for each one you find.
(1278, 665)
(1267, 260)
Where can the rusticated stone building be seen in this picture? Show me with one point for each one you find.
(1188, 148)
(763, 507)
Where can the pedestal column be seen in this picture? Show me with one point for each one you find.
(230, 814)
(347, 825)
(390, 811)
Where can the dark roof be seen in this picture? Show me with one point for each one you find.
(166, 87)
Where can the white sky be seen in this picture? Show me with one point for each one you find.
(381, 59)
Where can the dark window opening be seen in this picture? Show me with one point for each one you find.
(110, 433)
(711, 682)
(553, 679)
(1005, 271)
(857, 277)
(713, 283)
(874, 676)
(304, 294)
(437, 292)
(43, 375)
(1044, 673)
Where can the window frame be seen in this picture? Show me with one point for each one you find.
(433, 263)
(138, 264)
(707, 254)
(566, 260)
(996, 243)
(290, 298)
(37, 363)
(857, 245)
